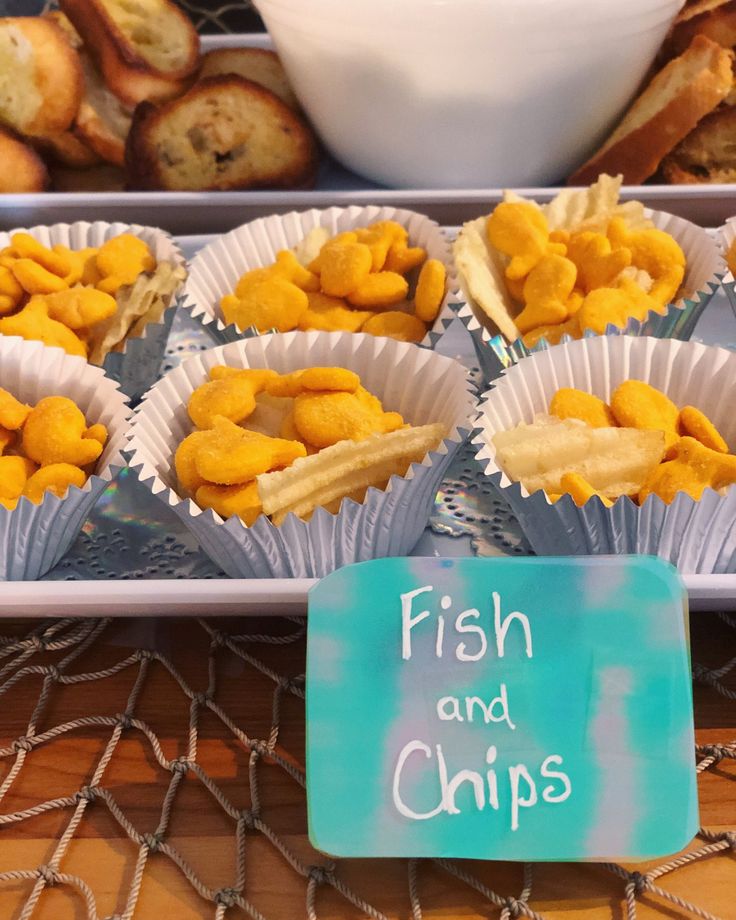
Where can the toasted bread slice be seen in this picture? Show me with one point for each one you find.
(102, 120)
(260, 65)
(716, 19)
(707, 154)
(225, 133)
(69, 150)
(145, 49)
(72, 36)
(23, 169)
(40, 77)
(679, 95)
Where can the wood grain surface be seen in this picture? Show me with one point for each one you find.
(102, 854)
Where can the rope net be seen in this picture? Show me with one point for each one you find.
(91, 712)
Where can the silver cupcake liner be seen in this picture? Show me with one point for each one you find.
(697, 537)
(217, 267)
(726, 236)
(703, 276)
(424, 386)
(137, 366)
(34, 537)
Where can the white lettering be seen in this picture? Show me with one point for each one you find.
(449, 790)
(453, 714)
(408, 622)
(548, 793)
(462, 627)
(502, 627)
(500, 702)
(403, 809)
(517, 800)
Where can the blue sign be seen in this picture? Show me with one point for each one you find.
(529, 709)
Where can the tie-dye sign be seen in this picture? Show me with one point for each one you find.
(523, 709)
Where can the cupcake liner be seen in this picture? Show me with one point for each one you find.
(703, 275)
(726, 236)
(697, 537)
(217, 267)
(138, 364)
(424, 386)
(34, 537)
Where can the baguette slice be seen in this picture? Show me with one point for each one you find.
(260, 65)
(716, 19)
(145, 49)
(40, 77)
(22, 168)
(102, 120)
(225, 133)
(707, 154)
(679, 95)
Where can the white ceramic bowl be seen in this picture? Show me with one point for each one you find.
(472, 93)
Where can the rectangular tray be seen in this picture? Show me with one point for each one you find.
(135, 558)
(215, 212)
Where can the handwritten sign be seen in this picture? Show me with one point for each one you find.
(524, 709)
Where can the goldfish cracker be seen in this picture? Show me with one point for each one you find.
(403, 259)
(34, 323)
(546, 291)
(241, 500)
(97, 432)
(250, 278)
(121, 259)
(233, 397)
(636, 404)
(184, 461)
(692, 469)
(323, 418)
(597, 263)
(696, 424)
(343, 267)
(54, 433)
(290, 268)
(604, 307)
(571, 403)
(13, 412)
(56, 478)
(80, 307)
(378, 238)
(640, 303)
(730, 257)
(35, 279)
(320, 379)
(430, 290)
(27, 247)
(519, 230)
(274, 303)
(581, 490)
(331, 314)
(657, 253)
(7, 438)
(11, 292)
(13, 478)
(341, 239)
(378, 290)
(77, 261)
(552, 333)
(229, 454)
(396, 325)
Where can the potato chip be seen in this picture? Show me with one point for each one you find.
(345, 468)
(614, 461)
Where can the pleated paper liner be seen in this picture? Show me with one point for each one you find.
(34, 537)
(726, 236)
(423, 386)
(217, 268)
(703, 274)
(137, 365)
(695, 536)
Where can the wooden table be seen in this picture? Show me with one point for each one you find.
(102, 854)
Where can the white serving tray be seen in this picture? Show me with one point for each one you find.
(215, 212)
(114, 568)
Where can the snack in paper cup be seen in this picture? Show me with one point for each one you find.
(63, 424)
(727, 237)
(390, 274)
(584, 264)
(620, 445)
(103, 291)
(324, 511)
